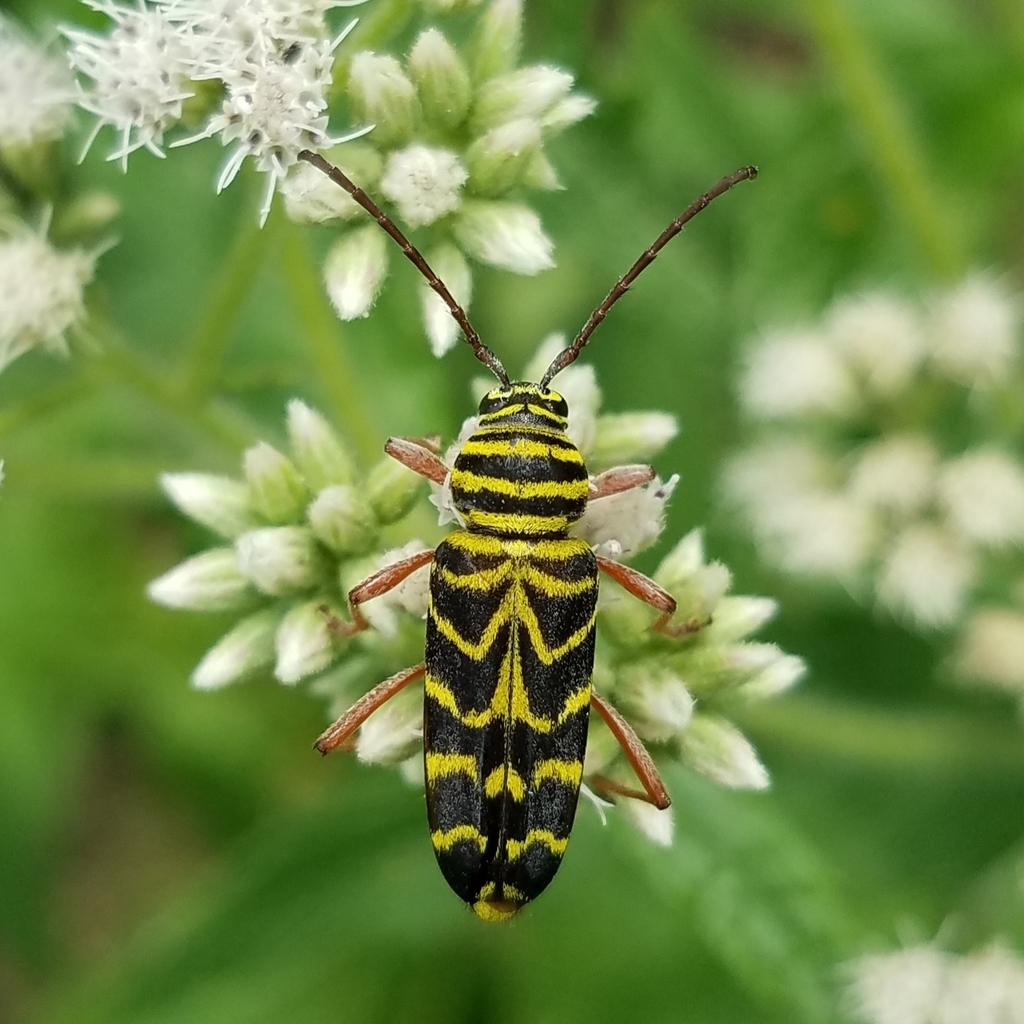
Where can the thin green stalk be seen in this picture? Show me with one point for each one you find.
(44, 402)
(325, 342)
(886, 740)
(210, 342)
(894, 148)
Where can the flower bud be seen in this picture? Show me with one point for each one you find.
(529, 92)
(424, 182)
(450, 265)
(621, 525)
(541, 174)
(322, 458)
(303, 642)
(506, 235)
(281, 559)
(717, 749)
(247, 648)
(311, 196)
(342, 519)
(275, 487)
(657, 825)
(441, 78)
(354, 271)
(565, 113)
(499, 160)
(392, 490)
(382, 95)
(656, 700)
(738, 617)
(217, 502)
(632, 437)
(86, 216)
(696, 586)
(499, 36)
(210, 582)
(779, 676)
(394, 732)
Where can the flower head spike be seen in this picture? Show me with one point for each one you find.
(36, 90)
(866, 483)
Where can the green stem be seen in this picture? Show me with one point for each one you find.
(324, 339)
(894, 148)
(886, 740)
(44, 402)
(210, 342)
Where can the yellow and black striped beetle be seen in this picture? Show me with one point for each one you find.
(511, 620)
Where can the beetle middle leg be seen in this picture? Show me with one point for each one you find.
(379, 583)
(644, 588)
(344, 727)
(638, 756)
(619, 479)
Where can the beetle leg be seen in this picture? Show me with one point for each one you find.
(379, 583)
(621, 478)
(345, 726)
(632, 746)
(418, 454)
(644, 588)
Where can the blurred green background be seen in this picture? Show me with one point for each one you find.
(169, 856)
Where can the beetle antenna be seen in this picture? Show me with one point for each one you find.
(570, 354)
(480, 350)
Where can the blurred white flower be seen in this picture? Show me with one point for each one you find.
(991, 649)
(975, 331)
(355, 269)
(927, 576)
(896, 474)
(41, 293)
(36, 89)
(982, 494)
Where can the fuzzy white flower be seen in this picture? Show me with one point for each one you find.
(927, 575)
(246, 648)
(210, 582)
(896, 474)
(217, 502)
(975, 330)
(717, 749)
(355, 269)
(882, 337)
(991, 649)
(140, 74)
(424, 182)
(504, 234)
(982, 493)
(280, 560)
(303, 643)
(628, 436)
(382, 94)
(794, 374)
(986, 987)
(36, 90)
(657, 825)
(898, 988)
(621, 525)
(41, 294)
(775, 471)
(658, 701)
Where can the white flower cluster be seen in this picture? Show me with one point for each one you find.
(273, 59)
(858, 473)
(36, 90)
(457, 136)
(302, 531)
(924, 985)
(41, 293)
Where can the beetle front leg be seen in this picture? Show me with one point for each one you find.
(379, 583)
(619, 479)
(644, 588)
(345, 726)
(420, 454)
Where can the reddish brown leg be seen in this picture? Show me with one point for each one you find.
(632, 746)
(419, 455)
(644, 588)
(345, 726)
(379, 583)
(621, 478)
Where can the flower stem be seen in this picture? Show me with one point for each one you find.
(326, 344)
(211, 340)
(894, 148)
(883, 739)
(44, 402)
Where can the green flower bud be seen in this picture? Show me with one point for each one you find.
(217, 502)
(542, 174)
(528, 92)
(342, 519)
(499, 160)
(303, 643)
(393, 490)
(276, 489)
(322, 458)
(498, 39)
(441, 78)
(86, 216)
(738, 617)
(383, 96)
(657, 700)
(281, 560)
(245, 649)
(506, 235)
(717, 749)
(355, 269)
(210, 582)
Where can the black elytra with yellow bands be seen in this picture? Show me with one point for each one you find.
(510, 653)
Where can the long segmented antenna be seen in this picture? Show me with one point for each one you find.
(569, 355)
(480, 350)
